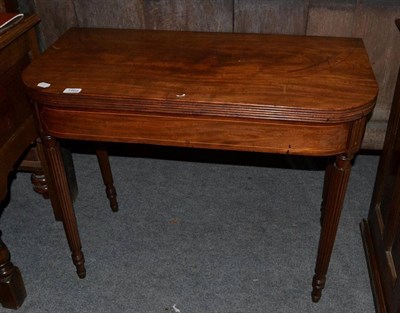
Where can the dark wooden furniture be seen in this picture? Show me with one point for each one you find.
(274, 94)
(381, 231)
(17, 133)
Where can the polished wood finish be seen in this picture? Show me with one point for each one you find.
(381, 232)
(302, 78)
(274, 94)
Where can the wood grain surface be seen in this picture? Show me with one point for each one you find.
(217, 74)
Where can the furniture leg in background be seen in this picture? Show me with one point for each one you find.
(104, 164)
(12, 288)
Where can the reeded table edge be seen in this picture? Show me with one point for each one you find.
(187, 108)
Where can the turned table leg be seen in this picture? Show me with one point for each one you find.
(336, 179)
(104, 163)
(12, 288)
(61, 190)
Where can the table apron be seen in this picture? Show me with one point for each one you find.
(200, 132)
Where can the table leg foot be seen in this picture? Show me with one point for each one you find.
(112, 197)
(79, 262)
(318, 285)
(336, 180)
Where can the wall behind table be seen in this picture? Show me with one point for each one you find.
(372, 20)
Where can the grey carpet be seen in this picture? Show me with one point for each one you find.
(194, 237)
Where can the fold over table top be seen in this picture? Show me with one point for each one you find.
(278, 77)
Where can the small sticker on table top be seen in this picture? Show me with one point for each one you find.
(72, 90)
(43, 85)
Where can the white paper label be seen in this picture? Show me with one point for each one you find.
(43, 85)
(72, 90)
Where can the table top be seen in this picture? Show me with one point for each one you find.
(279, 77)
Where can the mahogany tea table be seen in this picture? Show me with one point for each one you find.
(246, 92)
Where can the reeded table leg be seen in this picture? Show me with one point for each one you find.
(327, 181)
(338, 176)
(105, 168)
(60, 185)
(54, 201)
